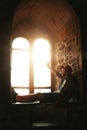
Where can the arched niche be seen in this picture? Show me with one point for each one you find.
(55, 20)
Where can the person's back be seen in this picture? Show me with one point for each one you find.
(70, 89)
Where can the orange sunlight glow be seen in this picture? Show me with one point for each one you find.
(20, 43)
(41, 57)
(20, 65)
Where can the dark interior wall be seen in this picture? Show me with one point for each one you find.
(83, 23)
(5, 35)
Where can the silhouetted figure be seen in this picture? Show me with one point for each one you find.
(67, 89)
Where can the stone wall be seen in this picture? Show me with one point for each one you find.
(56, 21)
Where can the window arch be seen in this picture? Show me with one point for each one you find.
(29, 72)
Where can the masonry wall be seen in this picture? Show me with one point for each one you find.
(61, 28)
(66, 49)
(56, 21)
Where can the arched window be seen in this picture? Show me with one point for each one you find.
(41, 56)
(29, 73)
(20, 65)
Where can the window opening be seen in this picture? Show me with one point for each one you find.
(42, 55)
(20, 66)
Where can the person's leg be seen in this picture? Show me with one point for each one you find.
(29, 98)
(42, 97)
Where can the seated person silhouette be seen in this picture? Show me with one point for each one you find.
(67, 89)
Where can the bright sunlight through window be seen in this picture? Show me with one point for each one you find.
(41, 56)
(20, 65)
(21, 60)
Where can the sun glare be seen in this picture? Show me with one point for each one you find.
(20, 65)
(41, 56)
(20, 43)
